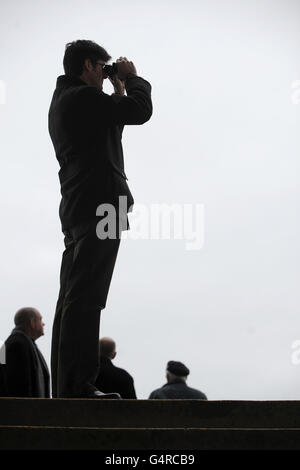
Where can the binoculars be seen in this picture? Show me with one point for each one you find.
(110, 70)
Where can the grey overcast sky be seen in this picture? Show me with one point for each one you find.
(224, 133)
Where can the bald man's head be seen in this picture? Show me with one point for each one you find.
(29, 320)
(107, 348)
(23, 317)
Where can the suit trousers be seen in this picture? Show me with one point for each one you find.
(85, 276)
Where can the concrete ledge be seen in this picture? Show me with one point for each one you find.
(47, 438)
(68, 424)
(149, 413)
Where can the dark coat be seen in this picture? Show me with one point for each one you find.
(177, 389)
(25, 372)
(114, 379)
(85, 126)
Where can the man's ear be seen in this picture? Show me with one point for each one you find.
(32, 322)
(114, 355)
(88, 65)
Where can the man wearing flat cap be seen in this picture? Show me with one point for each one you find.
(176, 386)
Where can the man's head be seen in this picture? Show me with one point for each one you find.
(176, 371)
(29, 320)
(85, 59)
(107, 348)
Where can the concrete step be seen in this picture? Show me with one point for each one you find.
(66, 438)
(149, 413)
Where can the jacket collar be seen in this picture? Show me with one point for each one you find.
(176, 381)
(69, 80)
(106, 361)
(19, 331)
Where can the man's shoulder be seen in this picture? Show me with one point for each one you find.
(159, 392)
(90, 92)
(18, 342)
(76, 93)
(18, 337)
(122, 373)
(155, 393)
(182, 389)
(197, 392)
(93, 99)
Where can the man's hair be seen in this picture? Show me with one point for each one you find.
(77, 52)
(173, 377)
(107, 347)
(23, 316)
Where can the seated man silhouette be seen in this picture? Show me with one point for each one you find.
(25, 372)
(111, 377)
(176, 386)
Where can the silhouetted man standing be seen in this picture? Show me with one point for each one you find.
(85, 126)
(25, 372)
(112, 377)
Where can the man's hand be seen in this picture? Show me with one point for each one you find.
(119, 85)
(125, 67)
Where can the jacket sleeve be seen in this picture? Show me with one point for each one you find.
(129, 390)
(3, 386)
(135, 108)
(19, 370)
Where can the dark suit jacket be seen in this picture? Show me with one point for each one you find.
(85, 125)
(179, 390)
(114, 379)
(25, 373)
